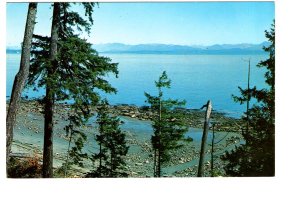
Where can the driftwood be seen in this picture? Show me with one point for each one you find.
(20, 155)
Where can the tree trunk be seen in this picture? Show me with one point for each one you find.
(159, 138)
(212, 152)
(204, 138)
(154, 164)
(159, 164)
(248, 99)
(20, 78)
(49, 99)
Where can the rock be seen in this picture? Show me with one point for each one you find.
(138, 164)
(207, 163)
(126, 114)
(147, 161)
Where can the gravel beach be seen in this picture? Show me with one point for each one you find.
(28, 139)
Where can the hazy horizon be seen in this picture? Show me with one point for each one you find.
(188, 45)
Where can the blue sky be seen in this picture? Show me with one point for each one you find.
(202, 23)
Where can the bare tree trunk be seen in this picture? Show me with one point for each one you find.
(204, 138)
(212, 152)
(20, 78)
(248, 99)
(49, 99)
(158, 173)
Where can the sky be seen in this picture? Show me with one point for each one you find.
(193, 23)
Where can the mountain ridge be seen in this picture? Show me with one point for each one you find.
(173, 48)
(242, 48)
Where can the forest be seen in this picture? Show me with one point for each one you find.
(75, 115)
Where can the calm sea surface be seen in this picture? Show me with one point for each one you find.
(195, 78)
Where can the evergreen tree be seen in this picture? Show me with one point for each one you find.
(74, 74)
(168, 125)
(257, 156)
(20, 78)
(75, 155)
(112, 145)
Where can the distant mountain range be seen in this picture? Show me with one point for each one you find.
(181, 49)
(172, 49)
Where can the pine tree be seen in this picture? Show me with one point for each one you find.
(75, 73)
(20, 78)
(168, 125)
(257, 156)
(112, 145)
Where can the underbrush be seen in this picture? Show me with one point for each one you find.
(24, 168)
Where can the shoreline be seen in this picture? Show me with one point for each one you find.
(28, 138)
(194, 118)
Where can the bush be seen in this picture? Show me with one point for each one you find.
(24, 168)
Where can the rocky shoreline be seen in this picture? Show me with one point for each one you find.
(139, 160)
(193, 117)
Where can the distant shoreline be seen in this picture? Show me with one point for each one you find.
(172, 49)
(204, 52)
(215, 52)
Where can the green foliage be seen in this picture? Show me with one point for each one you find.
(168, 125)
(112, 145)
(257, 156)
(77, 138)
(79, 71)
(76, 74)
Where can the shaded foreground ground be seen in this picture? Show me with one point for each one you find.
(28, 140)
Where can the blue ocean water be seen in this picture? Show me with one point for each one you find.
(195, 78)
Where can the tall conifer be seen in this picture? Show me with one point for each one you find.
(76, 73)
(168, 126)
(257, 156)
(112, 145)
